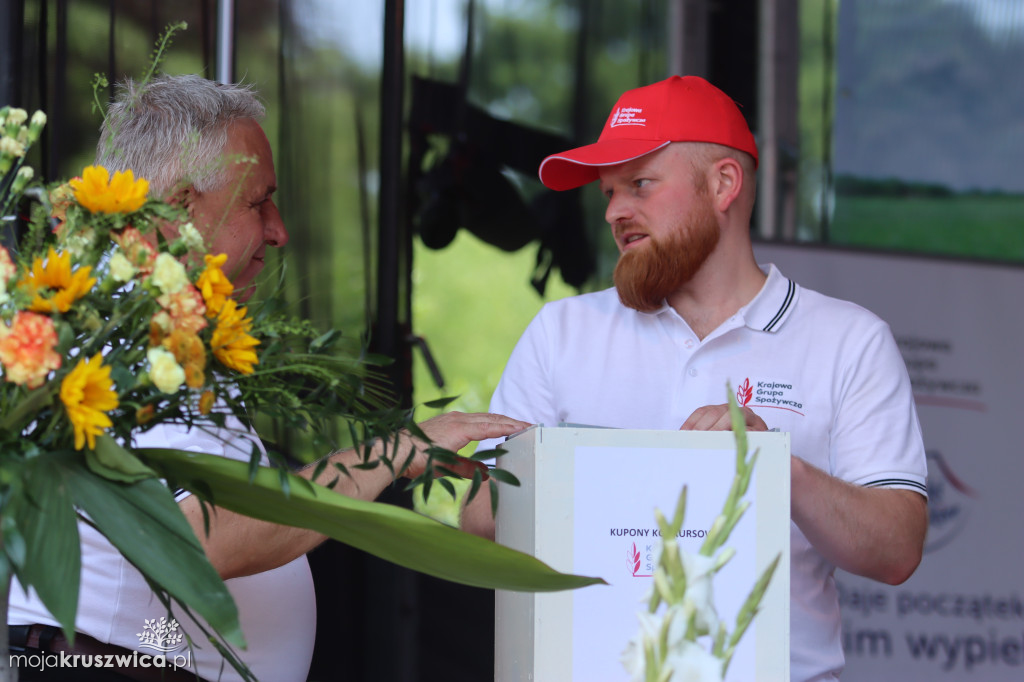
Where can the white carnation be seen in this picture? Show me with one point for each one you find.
(121, 269)
(165, 372)
(192, 238)
(168, 274)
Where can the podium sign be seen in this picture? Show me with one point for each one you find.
(586, 506)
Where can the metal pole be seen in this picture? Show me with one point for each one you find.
(12, 26)
(225, 41)
(387, 335)
(768, 144)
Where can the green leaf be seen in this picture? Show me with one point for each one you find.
(324, 341)
(440, 403)
(113, 462)
(503, 476)
(143, 521)
(14, 543)
(49, 527)
(387, 531)
(482, 455)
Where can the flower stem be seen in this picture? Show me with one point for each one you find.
(7, 673)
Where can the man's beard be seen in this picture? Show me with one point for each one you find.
(646, 276)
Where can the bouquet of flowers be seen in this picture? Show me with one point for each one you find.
(671, 644)
(113, 319)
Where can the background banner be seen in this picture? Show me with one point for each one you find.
(958, 324)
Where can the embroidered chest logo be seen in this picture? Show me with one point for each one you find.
(774, 394)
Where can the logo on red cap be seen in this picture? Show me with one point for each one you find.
(627, 116)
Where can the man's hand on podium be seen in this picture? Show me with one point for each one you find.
(716, 418)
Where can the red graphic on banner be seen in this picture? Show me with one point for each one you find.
(744, 393)
(634, 559)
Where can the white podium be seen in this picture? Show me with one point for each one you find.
(586, 506)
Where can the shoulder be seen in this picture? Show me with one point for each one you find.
(835, 315)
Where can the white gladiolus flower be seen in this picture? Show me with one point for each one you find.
(634, 657)
(38, 119)
(165, 372)
(699, 597)
(10, 146)
(690, 662)
(168, 274)
(16, 116)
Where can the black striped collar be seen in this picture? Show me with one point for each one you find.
(773, 304)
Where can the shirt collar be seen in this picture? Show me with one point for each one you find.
(773, 304)
(770, 308)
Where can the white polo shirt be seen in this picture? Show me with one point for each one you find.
(827, 371)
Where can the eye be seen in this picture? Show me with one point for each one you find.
(640, 183)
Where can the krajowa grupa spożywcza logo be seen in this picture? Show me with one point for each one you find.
(778, 395)
(641, 560)
(627, 116)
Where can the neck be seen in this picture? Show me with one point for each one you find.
(727, 281)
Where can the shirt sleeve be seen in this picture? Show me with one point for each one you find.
(876, 437)
(525, 388)
(234, 441)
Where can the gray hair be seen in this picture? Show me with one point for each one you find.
(172, 130)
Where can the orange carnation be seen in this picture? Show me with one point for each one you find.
(26, 349)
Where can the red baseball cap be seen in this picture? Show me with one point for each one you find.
(678, 109)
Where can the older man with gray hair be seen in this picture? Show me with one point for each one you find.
(200, 142)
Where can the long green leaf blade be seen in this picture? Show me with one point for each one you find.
(387, 531)
(49, 527)
(145, 524)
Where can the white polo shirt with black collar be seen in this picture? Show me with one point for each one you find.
(826, 371)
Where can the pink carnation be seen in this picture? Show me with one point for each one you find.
(186, 310)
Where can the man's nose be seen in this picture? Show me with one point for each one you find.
(619, 208)
(274, 231)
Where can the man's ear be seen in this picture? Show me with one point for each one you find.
(183, 196)
(725, 182)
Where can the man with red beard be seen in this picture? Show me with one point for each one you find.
(692, 310)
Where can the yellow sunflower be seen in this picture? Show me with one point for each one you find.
(100, 193)
(52, 284)
(87, 396)
(231, 344)
(214, 284)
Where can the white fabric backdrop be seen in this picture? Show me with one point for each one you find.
(959, 325)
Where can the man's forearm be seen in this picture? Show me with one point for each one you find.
(238, 545)
(874, 532)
